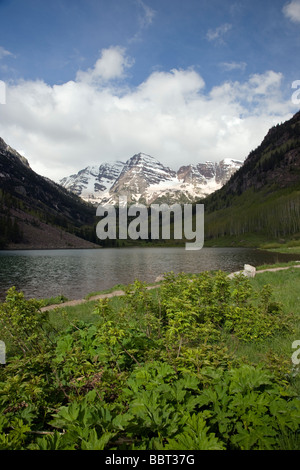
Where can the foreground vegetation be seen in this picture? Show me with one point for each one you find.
(201, 362)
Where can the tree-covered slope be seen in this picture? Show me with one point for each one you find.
(263, 196)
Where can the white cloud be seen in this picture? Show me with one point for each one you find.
(218, 33)
(148, 14)
(169, 91)
(63, 128)
(145, 19)
(292, 11)
(4, 53)
(229, 66)
(111, 65)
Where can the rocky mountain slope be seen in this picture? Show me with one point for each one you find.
(93, 180)
(35, 212)
(145, 180)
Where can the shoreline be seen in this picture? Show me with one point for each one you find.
(118, 293)
(285, 250)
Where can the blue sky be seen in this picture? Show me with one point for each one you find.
(89, 81)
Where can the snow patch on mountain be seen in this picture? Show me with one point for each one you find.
(143, 179)
(93, 183)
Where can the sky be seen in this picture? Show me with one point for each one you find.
(83, 82)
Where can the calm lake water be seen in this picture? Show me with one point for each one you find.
(75, 273)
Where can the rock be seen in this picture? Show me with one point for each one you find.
(159, 278)
(249, 271)
(21, 190)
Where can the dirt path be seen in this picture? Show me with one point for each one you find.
(277, 269)
(117, 293)
(71, 303)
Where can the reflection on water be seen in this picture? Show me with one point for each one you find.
(74, 273)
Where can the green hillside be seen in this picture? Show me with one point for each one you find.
(261, 202)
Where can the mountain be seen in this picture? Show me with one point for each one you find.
(145, 180)
(261, 201)
(93, 180)
(245, 203)
(35, 212)
(140, 175)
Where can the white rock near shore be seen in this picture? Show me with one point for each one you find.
(249, 271)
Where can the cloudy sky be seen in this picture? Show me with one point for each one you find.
(186, 81)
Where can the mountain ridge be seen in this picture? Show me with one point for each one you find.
(36, 212)
(144, 179)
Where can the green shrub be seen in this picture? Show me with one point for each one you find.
(152, 371)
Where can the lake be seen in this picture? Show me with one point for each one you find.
(75, 273)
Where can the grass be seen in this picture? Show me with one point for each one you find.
(287, 249)
(112, 289)
(289, 246)
(107, 291)
(288, 264)
(255, 241)
(62, 317)
(285, 285)
(276, 351)
(59, 299)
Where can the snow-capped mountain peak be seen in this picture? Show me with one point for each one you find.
(143, 178)
(93, 182)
